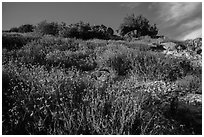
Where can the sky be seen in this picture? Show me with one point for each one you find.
(176, 20)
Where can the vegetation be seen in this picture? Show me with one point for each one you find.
(139, 26)
(16, 41)
(57, 84)
(23, 28)
(46, 28)
(86, 31)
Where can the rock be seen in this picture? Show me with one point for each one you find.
(169, 45)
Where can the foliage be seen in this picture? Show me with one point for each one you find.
(56, 85)
(36, 51)
(86, 31)
(59, 101)
(190, 84)
(140, 24)
(23, 28)
(47, 28)
(14, 29)
(15, 41)
(83, 60)
(26, 28)
(118, 58)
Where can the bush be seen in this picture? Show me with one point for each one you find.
(85, 31)
(23, 28)
(26, 28)
(14, 29)
(117, 57)
(15, 41)
(46, 28)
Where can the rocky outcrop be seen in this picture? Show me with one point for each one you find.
(169, 45)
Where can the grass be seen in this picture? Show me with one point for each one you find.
(68, 86)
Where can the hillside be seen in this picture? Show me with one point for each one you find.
(144, 86)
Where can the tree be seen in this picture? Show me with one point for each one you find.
(140, 24)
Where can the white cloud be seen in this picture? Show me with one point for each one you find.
(192, 23)
(192, 35)
(190, 29)
(175, 12)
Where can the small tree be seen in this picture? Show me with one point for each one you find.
(140, 24)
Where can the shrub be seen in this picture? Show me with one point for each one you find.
(118, 57)
(26, 28)
(15, 41)
(23, 28)
(85, 31)
(46, 28)
(14, 29)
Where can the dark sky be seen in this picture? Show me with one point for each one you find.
(175, 20)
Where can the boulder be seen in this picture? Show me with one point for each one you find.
(169, 45)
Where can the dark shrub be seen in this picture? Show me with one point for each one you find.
(47, 28)
(15, 29)
(85, 31)
(15, 41)
(26, 28)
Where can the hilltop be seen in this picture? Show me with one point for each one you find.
(56, 85)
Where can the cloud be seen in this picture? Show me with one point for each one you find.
(131, 5)
(173, 13)
(189, 29)
(192, 23)
(192, 35)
